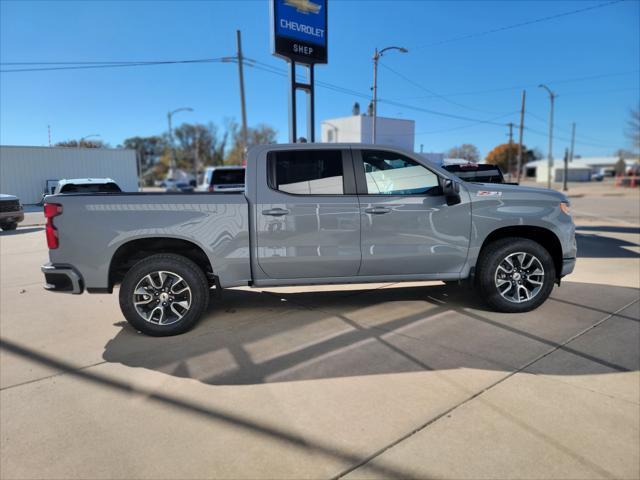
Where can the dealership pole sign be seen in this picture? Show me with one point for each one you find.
(299, 35)
(300, 30)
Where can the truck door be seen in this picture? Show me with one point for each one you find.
(307, 214)
(407, 226)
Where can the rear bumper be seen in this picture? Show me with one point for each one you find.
(12, 217)
(62, 279)
(568, 264)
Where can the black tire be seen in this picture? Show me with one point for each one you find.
(181, 267)
(487, 269)
(9, 226)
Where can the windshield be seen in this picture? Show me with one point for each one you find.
(228, 177)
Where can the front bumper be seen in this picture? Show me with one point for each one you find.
(62, 279)
(12, 217)
(568, 264)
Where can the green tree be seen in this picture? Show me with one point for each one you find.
(148, 149)
(82, 144)
(209, 144)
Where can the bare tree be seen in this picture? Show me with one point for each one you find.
(465, 151)
(634, 128)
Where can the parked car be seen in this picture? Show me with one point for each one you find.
(475, 172)
(87, 185)
(310, 214)
(181, 187)
(11, 212)
(223, 179)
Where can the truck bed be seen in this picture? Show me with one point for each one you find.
(92, 227)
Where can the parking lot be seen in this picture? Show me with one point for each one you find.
(361, 381)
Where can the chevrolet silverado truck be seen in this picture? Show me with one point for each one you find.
(309, 214)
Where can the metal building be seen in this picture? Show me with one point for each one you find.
(24, 171)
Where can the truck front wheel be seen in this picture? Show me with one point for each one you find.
(164, 294)
(515, 274)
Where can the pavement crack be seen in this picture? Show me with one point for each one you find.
(406, 436)
(53, 375)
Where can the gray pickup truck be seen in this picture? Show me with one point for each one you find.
(310, 214)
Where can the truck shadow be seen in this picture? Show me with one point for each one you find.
(251, 337)
(598, 246)
(20, 231)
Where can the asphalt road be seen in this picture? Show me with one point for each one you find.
(362, 381)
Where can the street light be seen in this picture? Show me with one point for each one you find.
(88, 136)
(376, 56)
(173, 151)
(552, 97)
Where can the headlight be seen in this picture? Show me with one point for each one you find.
(564, 206)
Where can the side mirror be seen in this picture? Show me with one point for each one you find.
(451, 191)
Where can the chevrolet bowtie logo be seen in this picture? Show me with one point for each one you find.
(304, 6)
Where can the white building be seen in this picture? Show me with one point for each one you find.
(24, 171)
(358, 129)
(580, 169)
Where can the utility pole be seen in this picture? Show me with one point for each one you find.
(242, 100)
(196, 161)
(376, 57)
(552, 97)
(49, 132)
(573, 140)
(509, 150)
(524, 95)
(566, 170)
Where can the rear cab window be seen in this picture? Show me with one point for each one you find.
(308, 172)
(109, 187)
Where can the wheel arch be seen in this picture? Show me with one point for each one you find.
(131, 252)
(543, 236)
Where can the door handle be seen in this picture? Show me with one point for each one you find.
(275, 212)
(377, 210)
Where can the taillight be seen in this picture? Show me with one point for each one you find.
(52, 210)
(210, 188)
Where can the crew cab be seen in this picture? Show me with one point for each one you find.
(309, 214)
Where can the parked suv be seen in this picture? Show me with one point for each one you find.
(310, 214)
(11, 212)
(223, 179)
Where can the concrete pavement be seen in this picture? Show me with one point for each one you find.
(363, 381)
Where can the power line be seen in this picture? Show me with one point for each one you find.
(565, 130)
(586, 144)
(93, 65)
(517, 25)
(434, 94)
(531, 85)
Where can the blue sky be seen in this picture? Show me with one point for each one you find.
(479, 78)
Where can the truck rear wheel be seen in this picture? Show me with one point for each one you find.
(9, 226)
(515, 274)
(164, 294)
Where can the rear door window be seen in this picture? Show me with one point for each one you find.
(307, 172)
